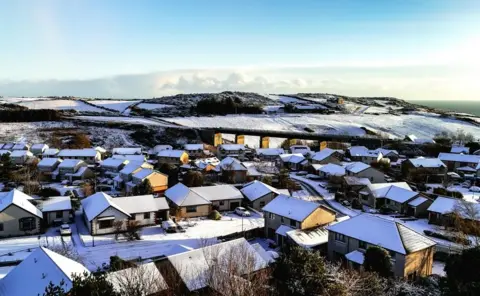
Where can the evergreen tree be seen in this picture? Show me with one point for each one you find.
(463, 276)
(377, 260)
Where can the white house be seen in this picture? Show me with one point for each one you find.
(50, 153)
(154, 151)
(89, 155)
(395, 196)
(293, 161)
(269, 154)
(361, 153)
(47, 166)
(56, 209)
(259, 194)
(130, 157)
(18, 216)
(362, 170)
(327, 155)
(21, 156)
(38, 149)
(113, 166)
(300, 149)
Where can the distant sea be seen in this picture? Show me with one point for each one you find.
(471, 107)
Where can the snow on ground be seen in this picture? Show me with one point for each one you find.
(15, 100)
(152, 106)
(438, 267)
(14, 131)
(284, 99)
(61, 105)
(396, 126)
(120, 119)
(467, 194)
(119, 105)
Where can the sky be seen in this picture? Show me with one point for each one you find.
(424, 50)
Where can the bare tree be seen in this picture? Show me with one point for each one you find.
(466, 221)
(140, 280)
(118, 228)
(68, 251)
(133, 230)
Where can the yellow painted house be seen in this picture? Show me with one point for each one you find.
(176, 157)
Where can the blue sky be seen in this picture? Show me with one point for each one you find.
(400, 48)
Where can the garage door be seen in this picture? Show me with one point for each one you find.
(234, 205)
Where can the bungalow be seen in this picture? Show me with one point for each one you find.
(441, 211)
(113, 166)
(286, 213)
(21, 156)
(127, 151)
(362, 170)
(269, 154)
(48, 166)
(17, 215)
(455, 161)
(56, 210)
(158, 181)
(21, 146)
(329, 170)
(394, 196)
(232, 171)
(89, 155)
(231, 150)
(176, 157)
(223, 197)
(41, 268)
(50, 153)
(73, 169)
(127, 171)
(410, 251)
(412, 167)
(361, 153)
(326, 156)
(393, 155)
(194, 150)
(293, 161)
(38, 149)
(206, 164)
(101, 211)
(259, 194)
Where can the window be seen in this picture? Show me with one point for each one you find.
(271, 216)
(1, 226)
(27, 224)
(105, 224)
(293, 223)
(146, 215)
(362, 245)
(262, 204)
(191, 209)
(59, 214)
(340, 237)
(222, 202)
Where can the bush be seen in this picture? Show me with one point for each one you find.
(384, 210)
(48, 192)
(214, 215)
(449, 238)
(356, 204)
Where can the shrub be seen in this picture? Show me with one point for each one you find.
(356, 204)
(214, 215)
(48, 192)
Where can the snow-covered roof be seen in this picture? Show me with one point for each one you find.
(87, 152)
(39, 147)
(399, 191)
(171, 153)
(291, 207)
(354, 181)
(386, 151)
(113, 162)
(127, 151)
(20, 153)
(231, 164)
(140, 203)
(20, 146)
(20, 200)
(322, 154)
(417, 140)
(48, 162)
(218, 192)
(417, 201)
(283, 229)
(292, 158)
(459, 157)
(256, 189)
(37, 271)
(2, 152)
(204, 162)
(467, 169)
(460, 149)
(100, 149)
(232, 147)
(8, 146)
(447, 205)
(146, 277)
(159, 148)
(309, 238)
(332, 169)
(355, 256)
(69, 163)
(142, 173)
(193, 266)
(78, 173)
(357, 150)
(300, 149)
(355, 167)
(193, 147)
(391, 235)
(422, 162)
(269, 151)
(181, 195)
(129, 157)
(97, 203)
(51, 152)
(133, 166)
(56, 203)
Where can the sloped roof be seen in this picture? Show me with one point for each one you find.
(232, 147)
(218, 192)
(142, 276)
(113, 162)
(417, 201)
(95, 204)
(399, 192)
(171, 153)
(181, 195)
(332, 169)
(2, 152)
(291, 207)
(48, 162)
(460, 149)
(132, 166)
(19, 153)
(309, 238)
(357, 150)
(130, 157)
(192, 147)
(447, 205)
(322, 154)
(231, 164)
(140, 203)
(87, 152)
(143, 173)
(204, 162)
(37, 271)
(269, 151)
(19, 146)
(356, 256)
(283, 229)
(256, 189)
(51, 151)
(20, 200)
(350, 180)
(355, 167)
(459, 157)
(388, 234)
(56, 203)
(426, 162)
(386, 151)
(292, 158)
(69, 163)
(127, 151)
(38, 146)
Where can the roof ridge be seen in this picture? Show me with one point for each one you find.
(55, 262)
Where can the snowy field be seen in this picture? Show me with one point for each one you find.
(420, 124)
(120, 119)
(61, 105)
(15, 100)
(284, 99)
(28, 131)
(118, 105)
(152, 106)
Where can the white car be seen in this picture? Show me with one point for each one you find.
(474, 189)
(242, 212)
(65, 229)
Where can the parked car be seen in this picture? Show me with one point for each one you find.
(169, 226)
(65, 229)
(241, 211)
(474, 189)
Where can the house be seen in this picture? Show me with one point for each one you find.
(21, 146)
(21, 156)
(47, 166)
(50, 153)
(418, 207)
(130, 157)
(38, 149)
(394, 196)
(102, 212)
(206, 164)
(300, 149)
(411, 252)
(414, 139)
(193, 269)
(351, 186)
(41, 268)
(194, 150)
(113, 166)
(327, 156)
(329, 170)
(154, 151)
(393, 155)
(362, 154)
(441, 211)
(176, 157)
(158, 181)
(127, 151)
(257, 170)
(18, 216)
(145, 277)
(362, 170)
(89, 155)
(286, 213)
(413, 167)
(232, 170)
(125, 175)
(56, 210)
(269, 154)
(231, 150)
(458, 149)
(199, 201)
(455, 161)
(73, 169)
(259, 194)
(293, 161)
